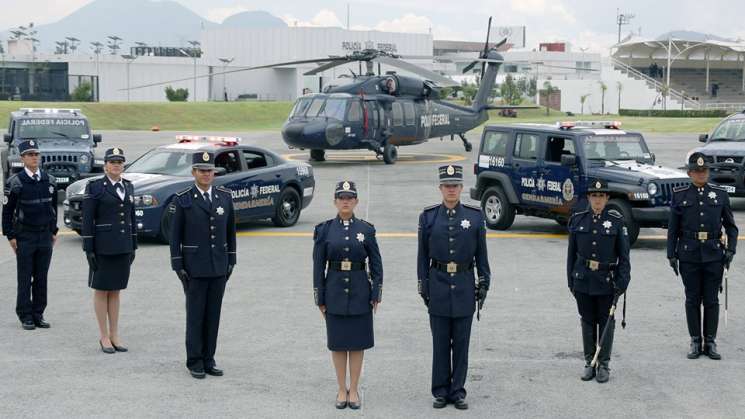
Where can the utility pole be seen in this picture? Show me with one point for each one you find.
(129, 59)
(225, 63)
(97, 47)
(195, 52)
(622, 19)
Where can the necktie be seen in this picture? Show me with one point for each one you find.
(120, 190)
(36, 177)
(207, 198)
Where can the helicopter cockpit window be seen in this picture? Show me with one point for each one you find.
(355, 111)
(335, 108)
(315, 107)
(301, 106)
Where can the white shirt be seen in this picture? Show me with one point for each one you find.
(31, 174)
(119, 192)
(201, 192)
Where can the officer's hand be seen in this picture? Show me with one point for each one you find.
(132, 258)
(728, 256)
(425, 299)
(13, 245)
(54, 239)
(481, 295)
(183, 276)
(375, 306)
(92, 263)
(674, 265)
(230, 270)
(322, 307)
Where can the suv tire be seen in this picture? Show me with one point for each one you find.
(498, 212)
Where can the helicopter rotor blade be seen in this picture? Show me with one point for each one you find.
(469, 67)
(486, 44)
(412, 68)
(323, 67)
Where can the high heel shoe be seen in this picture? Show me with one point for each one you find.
(342, 404)
(106, 349)
(119, 348)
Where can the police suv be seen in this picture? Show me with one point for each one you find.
(65, 142)
(542, 170)
(726, 146)
(263, 184)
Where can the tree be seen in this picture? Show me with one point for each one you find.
(664, 91)
(619, 87)
(469, 91)
(83, 92)
(582, 100)
(548, 90)
(177, 95)
(522, 86)
(603, 89)
(532, 88)
(509, 91)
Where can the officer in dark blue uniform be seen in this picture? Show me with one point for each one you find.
(697, 250)
(452, 242)
(30, 224)
(346, 294)
(109, 241)
(598, 269)
(203, 255)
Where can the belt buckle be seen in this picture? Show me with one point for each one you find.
(594, 265)
(346, 265)
(703, 235)
(452, 267)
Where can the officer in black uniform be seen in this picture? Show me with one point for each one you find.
(452, 241)
(203, 255)
(343, 247)
(109, 241)
(30, 224)
(695, 249)
(598, 269)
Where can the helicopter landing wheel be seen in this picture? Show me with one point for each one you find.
(390, 153)
(317, 155)
(467, 145)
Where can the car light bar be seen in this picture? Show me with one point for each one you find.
(589, 124)
(49, 110)
(211, 139)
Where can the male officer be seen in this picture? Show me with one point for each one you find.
(598, 269)
(30, 223)
(203, 256)
(695, 249)
(452, 241)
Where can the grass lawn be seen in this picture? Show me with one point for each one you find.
(252, 116)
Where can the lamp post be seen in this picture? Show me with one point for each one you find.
(97, 48)
(622, 19)
(194, 54)
(2, 81)
(225, 63)
(129, 58)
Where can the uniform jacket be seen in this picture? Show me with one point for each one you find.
(109, 226)
(31, 203)
(695, 210)
(605, 239)
(346, 292)
(203, 235)
(459, 238)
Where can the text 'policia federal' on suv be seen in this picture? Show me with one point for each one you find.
(65, 142)
(543, 170)
(726, 146)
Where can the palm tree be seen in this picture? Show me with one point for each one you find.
(664, 91)
(603, 88)
(619, 87)
(582, 100)
(549, 89)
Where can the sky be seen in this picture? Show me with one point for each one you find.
(584, 23)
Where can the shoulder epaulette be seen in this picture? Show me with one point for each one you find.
(431, 207)
(682, 187)
(185, 191)
(473, 207)
(366, 222)
(224, 189)
(126, 180)
(14, 181)
(614, 213)
(717, 187)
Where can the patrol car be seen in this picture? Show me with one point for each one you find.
(726, 146)
(65, 141)
(542, 170)
(263, 184)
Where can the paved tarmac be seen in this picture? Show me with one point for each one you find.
(525, 353)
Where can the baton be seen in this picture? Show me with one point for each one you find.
(726, 294)
(611, 319)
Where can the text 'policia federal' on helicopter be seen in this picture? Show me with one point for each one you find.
(382, 112)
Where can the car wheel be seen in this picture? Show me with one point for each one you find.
(287, 210)
(498, 212)
(390, 153)
(166, 222)
(625, 209)
(317, 155)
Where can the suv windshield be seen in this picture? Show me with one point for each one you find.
(163, 162)
(615, 147)
(41, 128)
(730, 129)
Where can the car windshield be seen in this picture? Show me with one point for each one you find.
(163, 162)
(41, 128)
(615, 147)
(730, 129)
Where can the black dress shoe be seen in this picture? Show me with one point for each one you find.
(119, 348)
(695, 351)
(355, 405)
(215, 372)
(197, 373)
(588, 373)
(41, 323)
(341, 404)
(461, 404)
(106, 349)
(710, 349)
(439, 403)
(603, 374)
(28, 325)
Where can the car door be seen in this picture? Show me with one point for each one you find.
(525, 167)
(260, 186)
(556, 183)
(230, 160)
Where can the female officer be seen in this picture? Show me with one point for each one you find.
(598, 269)
(345, 292)
(109, 242)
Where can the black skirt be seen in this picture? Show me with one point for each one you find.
(349, 333)
(112, 273)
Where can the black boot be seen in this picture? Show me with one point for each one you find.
(710, 348)
(603, 374)
(589, 339)
(695, 351)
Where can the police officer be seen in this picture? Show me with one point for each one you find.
(30, 224)
(345, 292)
(452, 241)
(109, 241)
(598, 269)
(203, 255)
(695, 249)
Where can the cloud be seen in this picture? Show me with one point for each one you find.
(546, 8)
(221, 13)
(406, 23)
(324, 18)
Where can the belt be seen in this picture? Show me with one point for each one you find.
(701, 235)
(452, 267)
(29, 227)
(596, 265)
(346, 265)
(35, 201)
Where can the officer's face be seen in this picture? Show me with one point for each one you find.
(345, 205)
(114, 168)
(699, 176)
(451, 193)
(203, 177)
(31, 160)
(598, 201)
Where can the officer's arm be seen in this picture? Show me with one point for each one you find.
(9, 210)
(376, 266)
(673, 227)
(730, 228)
(571, 255)
(623, 246)
(231, 233)
(88, 227)
(177, 230)
(422, 266)
(134, 222)
(319, 265)
(53, 224)
(482, 258)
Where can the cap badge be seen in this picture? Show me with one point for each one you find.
(32, 143)
(345, 186)
(598, 185)
(450, 170)
(206, 156)
(700, 161)
(115, 152)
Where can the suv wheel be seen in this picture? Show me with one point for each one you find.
(625, 209)
(498, 212)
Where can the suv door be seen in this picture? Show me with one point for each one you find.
(494, 152)
(556, 183)
(525, 167)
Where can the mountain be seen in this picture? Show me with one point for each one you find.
(255, 19)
